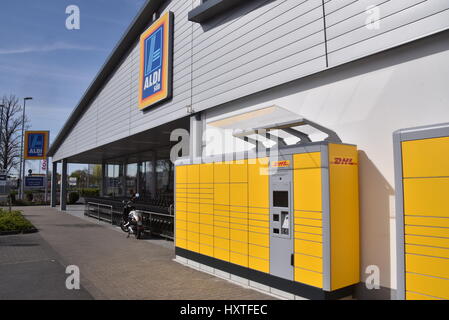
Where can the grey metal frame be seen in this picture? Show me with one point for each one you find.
(417, 133)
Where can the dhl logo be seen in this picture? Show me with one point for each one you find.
(280, 164)
(344, 161)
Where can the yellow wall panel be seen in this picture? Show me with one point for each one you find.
(238, 195)
(258, 229)
(193, 217)
(309, 222)
(258, 186)
(181, 243)
(239, 171)
(308, 236)
(311, 278)
(221, 193)
(237, 258)
(427, 221)
(427, 241)
(427, 251)
(221, 243)
(261, 224)
(259, 264)
(259, 239)
(238, 246)
(308, 229)
(207, 239)
(417, 296)
(437, 267)
(181, 215)
(221, 232)
(426, 158)
(307, 189)
(259, 252)
(180, 233)
(307, 160)
(427, 231)
(221, 254)
(181, 174)
(207, 208)
(221, 172)
(344, 215)
(259, 212)
(193, 236)
(206, 229)
(260, 217)
(193, 207)
(237, 214)
(426, 197)
(193, 173)
(430, 286)
(193, 246)
(206, 250)
(309, 247)
(308, 214)
(207, 173)
(308, 262)
(180, 205)
(180, 224)
(206, 219)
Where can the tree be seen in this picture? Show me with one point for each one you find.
(81, 176)
(11, 134)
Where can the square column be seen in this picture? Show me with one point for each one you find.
(63, 201)
(54, 184)
(103, 188)
(196, 136)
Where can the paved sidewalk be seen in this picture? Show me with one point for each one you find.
(114, 267)
(30, 269)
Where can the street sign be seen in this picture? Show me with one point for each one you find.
(73, 181)
(34, 182)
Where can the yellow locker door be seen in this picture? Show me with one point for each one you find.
(221, 211)
(426, 217)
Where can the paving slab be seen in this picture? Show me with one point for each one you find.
(30, 269)
(115, 267)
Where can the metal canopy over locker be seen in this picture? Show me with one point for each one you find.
(288, 218)
(422, 211)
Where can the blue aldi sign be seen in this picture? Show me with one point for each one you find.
(36, 145)
(156, 51)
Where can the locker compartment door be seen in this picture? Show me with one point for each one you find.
(426, 218)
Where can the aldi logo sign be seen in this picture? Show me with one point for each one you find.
(156, 55)
(36, 145)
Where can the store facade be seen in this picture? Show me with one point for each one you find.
(364, 69)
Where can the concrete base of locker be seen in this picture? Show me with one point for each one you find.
(260, 281)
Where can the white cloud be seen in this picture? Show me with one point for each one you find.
(48, 48)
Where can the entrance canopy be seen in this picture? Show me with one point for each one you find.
(135, 148)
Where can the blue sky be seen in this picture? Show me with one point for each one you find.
(40, 58)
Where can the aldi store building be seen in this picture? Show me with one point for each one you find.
(204, 104)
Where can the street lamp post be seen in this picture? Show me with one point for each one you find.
(1, 127)
(1, 120)
(22, 160)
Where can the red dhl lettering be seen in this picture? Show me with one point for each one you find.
(344, 161)
(284, 163)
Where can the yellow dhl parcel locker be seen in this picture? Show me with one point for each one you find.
(422, 212)
(289, 221)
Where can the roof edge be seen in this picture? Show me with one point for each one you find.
(137, 26)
